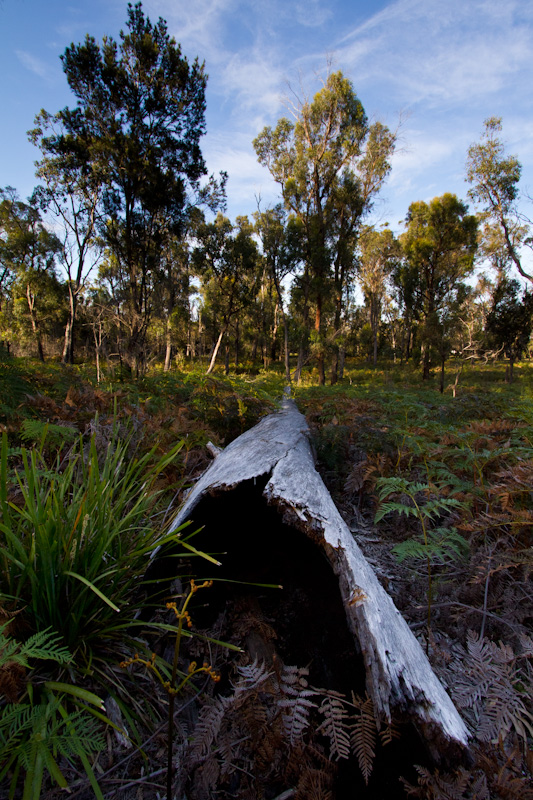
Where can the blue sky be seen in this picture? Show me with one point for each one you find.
(441, 66)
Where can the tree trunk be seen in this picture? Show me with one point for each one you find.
(237, 344)
(226, 360)
(168, 348)
(426, 361)
(34, 324)
(271, 466)
(300, 363)
(68, 346)
(334, 373)
(342, 359)
(215, 350)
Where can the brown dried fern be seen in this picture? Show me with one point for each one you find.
(336, 725)
(363, 735)
(486, 686)
(295, 702)
(452, 786)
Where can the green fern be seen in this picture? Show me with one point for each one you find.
(442, 546)
(13, 385)
(42, 645)
(31, 737)
(35, 431)
(423, 502)
(33, 734)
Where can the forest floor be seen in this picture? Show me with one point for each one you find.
(437, 489)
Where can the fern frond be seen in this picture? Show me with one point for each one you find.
(388, 733)
(314, 784)
(443, 544)
(251, 677)
(208, 727)
(399, 508)
(43, 645)
(206, 777)
(446, 787)
(527, 645)
(335, 726)
(295, 702)
(363, 736)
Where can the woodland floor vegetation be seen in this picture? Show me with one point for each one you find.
(437, 488)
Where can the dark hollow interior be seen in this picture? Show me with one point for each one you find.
(254, 545)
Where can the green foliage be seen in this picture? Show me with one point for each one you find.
(509, 321)
(141, 144)
(494, 177)
(13, 385)
(76, 542)
(439, 245)
(443, 545)
(329, 165)
(34, 431)
(42, 645)
(33, 732)
(228, 407)
(423, 502)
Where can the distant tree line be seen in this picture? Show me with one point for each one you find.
(123, 253)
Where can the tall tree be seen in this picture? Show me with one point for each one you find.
(71, 190)
(321, 165)
(380, 253)
(28, 252)
(510, 320)
(227, 260)
(439, 244)
(138, 124)
(495, 176)
(281, 249)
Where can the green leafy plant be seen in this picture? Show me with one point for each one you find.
(34, 431)
(422, 501)
(39, 728)
(77, 539)
(13, 383)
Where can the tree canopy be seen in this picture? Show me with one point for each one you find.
(329, 163)
(135, 132)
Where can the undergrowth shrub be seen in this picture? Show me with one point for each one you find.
(43, 726)
(77, 536)
(13, 385)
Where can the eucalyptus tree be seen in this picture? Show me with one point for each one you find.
(28, 252)
(71, 189)
(439, 246)
(380, 254)
(280, 238)
(510, 320)
(329, 163)
(138, 122)
(495, 178)
(227, 259)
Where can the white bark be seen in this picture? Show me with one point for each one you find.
(398, 674)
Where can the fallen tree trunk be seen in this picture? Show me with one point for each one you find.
(399, 677)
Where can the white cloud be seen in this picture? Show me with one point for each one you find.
(36, 65)
(198, 26)
(248, 180)
(440, 50)
(311, 13)
(254, 81)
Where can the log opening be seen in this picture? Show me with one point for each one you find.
(307, 616)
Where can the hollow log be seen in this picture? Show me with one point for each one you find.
(399, 677)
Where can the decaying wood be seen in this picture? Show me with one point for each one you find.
(399, 677)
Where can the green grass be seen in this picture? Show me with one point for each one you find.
(77, 536)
